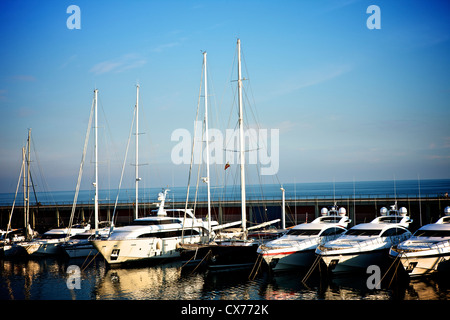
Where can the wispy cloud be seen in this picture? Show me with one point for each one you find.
(444, 143)
(439, 149)
(118, 65)
(311, 79)
(164, 46)
(68, 61)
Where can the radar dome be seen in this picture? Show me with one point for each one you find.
(324, 211)
(447, 211)
(342, 211)
(383, 211)
(403, 211)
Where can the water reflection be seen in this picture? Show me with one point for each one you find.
(428, 289)
(47, 279)
(157, 282)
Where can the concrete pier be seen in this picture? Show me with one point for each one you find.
(422, 210)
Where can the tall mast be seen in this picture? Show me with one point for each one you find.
(96, 164)
(24, 185)
(27, 215)
(207, 144)
(241, 143)
(283, 209)
(137, 153)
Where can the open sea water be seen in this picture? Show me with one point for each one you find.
(320, 190)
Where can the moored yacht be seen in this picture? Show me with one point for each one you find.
(428, 250)
(80, 244)
(367, 243)
(48, 243)
(154, 237)
(296, 248)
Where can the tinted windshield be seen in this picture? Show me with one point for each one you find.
(154, 222)
(54, 236)
(362, 232)
(432, 233)
(300, 232)
(331, 219)
(391, 219)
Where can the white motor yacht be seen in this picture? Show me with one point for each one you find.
(48, 243)
(428, 250)
(296, 248)
(154, 237)
(80, 245)
(367, 243)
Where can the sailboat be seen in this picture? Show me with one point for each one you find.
(79, 244)
(155, 237)
(11, 239)
(238, 249)
(50, 243)
(197, 252)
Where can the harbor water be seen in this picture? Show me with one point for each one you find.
(91, 279)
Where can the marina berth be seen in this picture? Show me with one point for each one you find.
(428, 250)
(367, 243)
(296, 248)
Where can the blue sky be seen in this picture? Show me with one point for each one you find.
(350, 103)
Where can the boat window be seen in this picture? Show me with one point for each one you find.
(303, 232)
(391, 219)
(169, 234)
(154, 222)
(54, 236)
(432, 233)
(81, 236)
(362, 232)
(332, 231)
(393, 232)
(331, 219)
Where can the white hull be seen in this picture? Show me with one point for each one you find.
(355, 262)
(142, 249)
(80, 250)
(290, 260)
(44, 248)
(421, 266)
(428, 251)
(33, 249)
(423, 262)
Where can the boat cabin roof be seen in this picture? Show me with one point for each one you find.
(436, 226)
(368, 226)
(155, 220)
(310, 226)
